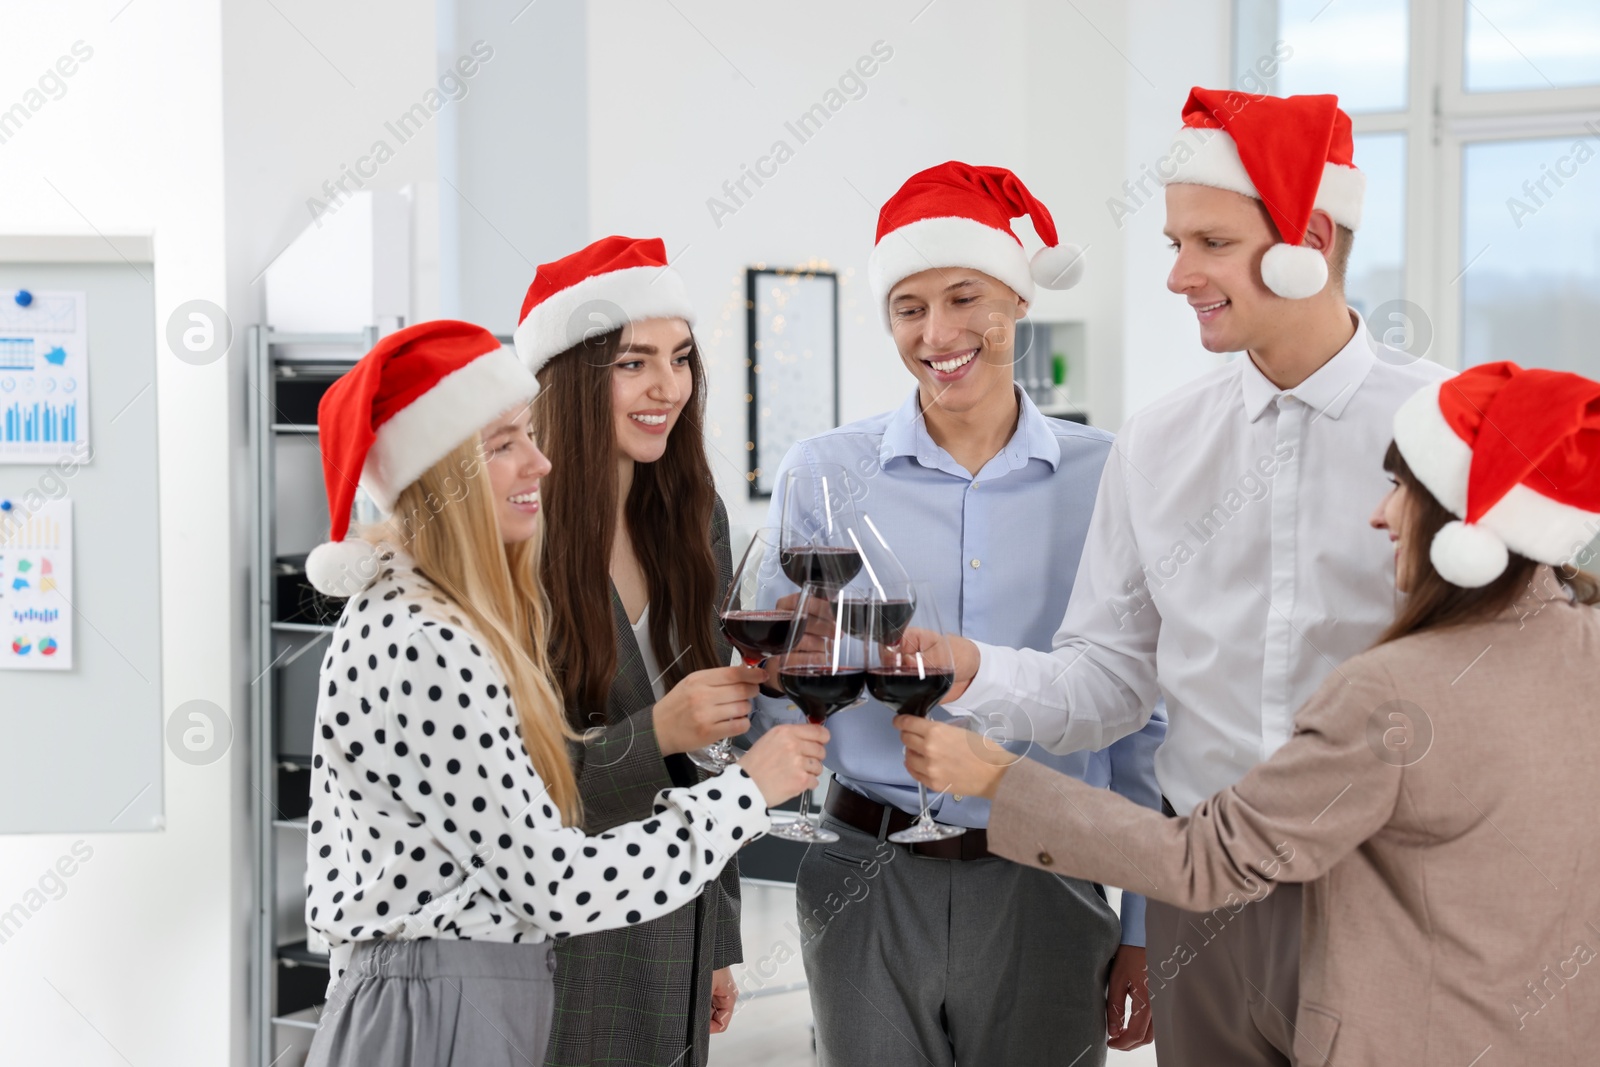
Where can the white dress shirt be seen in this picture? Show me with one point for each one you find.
(1229, 567)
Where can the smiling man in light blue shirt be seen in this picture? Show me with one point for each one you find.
(970, 958)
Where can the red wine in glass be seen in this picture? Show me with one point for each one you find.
(893, 618)
(825, 566)
(757, 633)
(907, 690)
(819, 690)
(912, 680)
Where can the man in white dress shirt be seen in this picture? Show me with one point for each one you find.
(1228, 566)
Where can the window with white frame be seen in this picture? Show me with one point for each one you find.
(1477, 123)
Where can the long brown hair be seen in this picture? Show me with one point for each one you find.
(668, 512)
(446, 522)
(1432, 602)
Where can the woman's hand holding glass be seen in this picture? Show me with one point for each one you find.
(952, 759)
(705, 707)
(786, 761)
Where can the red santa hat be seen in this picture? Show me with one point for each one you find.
(1291, 153)
(1514, 454)
(958, 215)
(597, 289)
(403, 407)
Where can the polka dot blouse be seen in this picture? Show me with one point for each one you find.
(427, 817)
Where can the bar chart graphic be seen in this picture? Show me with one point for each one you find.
(39, 532)
(38, 422)
(44, 378)
(36, 587)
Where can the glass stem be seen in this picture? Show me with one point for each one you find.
(805, 807)
(926, 818)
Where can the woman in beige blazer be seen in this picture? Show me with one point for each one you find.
(1440, 792)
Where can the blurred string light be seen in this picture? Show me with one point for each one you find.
(785, 280)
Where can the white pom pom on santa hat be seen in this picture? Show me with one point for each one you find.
(1057, 266)
(1468, 555)
(342, 568)
(1294, 154)
(1294, 272)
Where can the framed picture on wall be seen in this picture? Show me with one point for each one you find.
(792, 320)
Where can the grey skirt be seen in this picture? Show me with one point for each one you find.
(439, 1002)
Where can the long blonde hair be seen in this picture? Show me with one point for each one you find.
(446, 521)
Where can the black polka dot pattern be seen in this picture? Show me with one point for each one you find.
(410, 832)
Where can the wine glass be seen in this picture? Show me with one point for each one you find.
(911, 682)
(754, 621)
(819, 516)
(822, 671)
(883, 580)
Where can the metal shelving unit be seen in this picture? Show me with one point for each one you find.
(284, 976)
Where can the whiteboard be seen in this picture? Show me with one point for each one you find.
(81, 749)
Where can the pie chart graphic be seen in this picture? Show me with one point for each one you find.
(47, 646)
(21, 646)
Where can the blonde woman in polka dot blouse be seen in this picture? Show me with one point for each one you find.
(443, 852)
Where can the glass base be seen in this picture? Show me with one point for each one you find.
(715, 758)
(926, 830)
(802, 830)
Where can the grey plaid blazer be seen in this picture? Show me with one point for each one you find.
(642, 994)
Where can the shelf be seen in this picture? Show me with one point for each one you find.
(288, 983)
(297, 954)
(300, 1020)
(303, 627)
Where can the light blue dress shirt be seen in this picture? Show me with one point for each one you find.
(1000, 551)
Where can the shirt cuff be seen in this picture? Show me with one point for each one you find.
(1133, 919)
(738, 810)
(997, 666)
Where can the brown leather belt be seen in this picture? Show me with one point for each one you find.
(855, 810)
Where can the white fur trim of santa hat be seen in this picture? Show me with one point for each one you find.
(431, 426)
(953, 241)
(1294, 272)
(1524, 521)
(1214, 161)
(598, 305)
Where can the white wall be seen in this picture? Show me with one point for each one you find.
(310, 90)
(1171, 47)
(141, 960)
(513, 188)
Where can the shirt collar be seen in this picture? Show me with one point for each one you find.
(1328, 391)
(907, 435)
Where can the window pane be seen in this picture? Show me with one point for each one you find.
(1515, 44)
(1376, 274)
(1530, 245)
(1359, 49)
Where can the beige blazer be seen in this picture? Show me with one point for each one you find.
(1441, 798)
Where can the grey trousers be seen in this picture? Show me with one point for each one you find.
(928, 963)
(1225, 984)
(439, 1002)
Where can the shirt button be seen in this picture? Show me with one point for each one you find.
(1045, 859)
(976, 564)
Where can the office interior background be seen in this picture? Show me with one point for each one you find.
(324, 172)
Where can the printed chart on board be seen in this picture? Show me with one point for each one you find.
(36, 588)
(44, 376)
